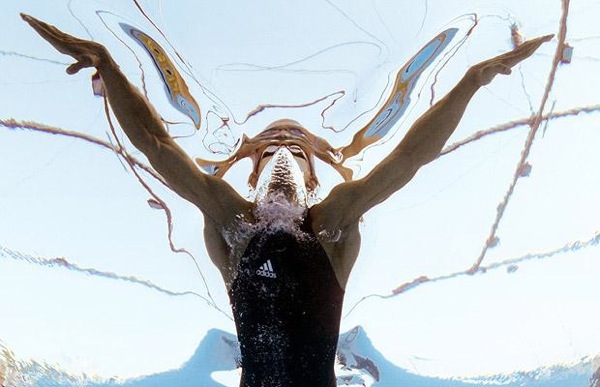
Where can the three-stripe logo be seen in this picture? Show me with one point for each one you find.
(266, 270)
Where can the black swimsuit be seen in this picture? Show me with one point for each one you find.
(287, 306)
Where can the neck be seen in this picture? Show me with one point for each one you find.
(276, 212)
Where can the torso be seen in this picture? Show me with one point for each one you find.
(311, 281)
(287, 306)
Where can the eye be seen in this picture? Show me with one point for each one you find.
(296, 151)
(270, 151)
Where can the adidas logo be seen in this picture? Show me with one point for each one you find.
(266, 270)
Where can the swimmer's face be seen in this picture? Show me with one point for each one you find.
(299, 146)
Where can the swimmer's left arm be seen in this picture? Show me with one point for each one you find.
(422, 144)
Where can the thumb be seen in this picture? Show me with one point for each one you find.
(84, 62)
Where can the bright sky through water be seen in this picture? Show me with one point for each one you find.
(62, 197)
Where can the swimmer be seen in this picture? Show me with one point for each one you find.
(285, 263)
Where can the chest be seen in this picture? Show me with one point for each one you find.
(284, 277)
(284, 260)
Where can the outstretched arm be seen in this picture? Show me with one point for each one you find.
(143, 126)
(422, 144)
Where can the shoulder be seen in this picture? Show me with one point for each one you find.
(225, 244)
(338, 210)
(341, 244)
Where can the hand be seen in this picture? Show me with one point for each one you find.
(485, 71)
(87, 53)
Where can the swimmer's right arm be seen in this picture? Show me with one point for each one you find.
(143, 126)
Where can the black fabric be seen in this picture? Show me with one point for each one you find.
(287, 307)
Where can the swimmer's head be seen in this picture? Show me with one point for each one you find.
(298, 144)
(287, 134)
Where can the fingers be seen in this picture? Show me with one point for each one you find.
(546, 38)
(44, 29)
(28, 18)
(530, 46)
(524, 51)
(485, 71)
(36, 24)
(51, 34)
(41, 27)
(87, 53)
